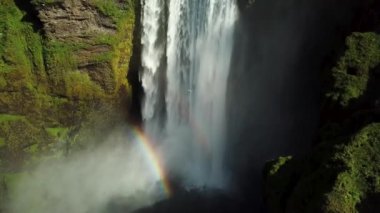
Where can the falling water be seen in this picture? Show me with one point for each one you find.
(194, 59)
(152, 54)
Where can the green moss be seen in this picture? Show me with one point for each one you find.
(2, 143)
(22, 139)
(336, 178)
(122, 43)
(9, 117)
(106, 39)
(11, 178)
(20, 47)
(79, 86)
(123, 51)
(361, 162)
(352, 72)
(277, 164)
(35, 54)
(57, 132)
(103, 57)
(3, 83)
(41, 85)
(59, 60)
(33, 149)
(8, 184)
(278, 176)
(13, 42)
(17, 132)
(114, 9)
(109, 8)
(21, 51)
(62, 66)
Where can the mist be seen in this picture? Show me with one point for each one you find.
(116, 176)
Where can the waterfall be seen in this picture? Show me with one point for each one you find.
(187, 47)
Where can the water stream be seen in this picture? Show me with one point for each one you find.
(187, 48)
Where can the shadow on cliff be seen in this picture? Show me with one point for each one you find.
(134, 67)
(31, 14)
(282, 47)
(194, 201)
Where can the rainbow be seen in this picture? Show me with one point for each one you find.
(152, 156)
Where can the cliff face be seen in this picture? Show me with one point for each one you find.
(244, 4)
(63, 67)
(342, 172)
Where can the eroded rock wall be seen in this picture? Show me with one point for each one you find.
(63, 71)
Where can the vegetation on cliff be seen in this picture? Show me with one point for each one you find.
(339, 177)
(342, 173)
(352, 72)
(58, 80)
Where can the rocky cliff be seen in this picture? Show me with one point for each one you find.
(342, 173)
(63, 68)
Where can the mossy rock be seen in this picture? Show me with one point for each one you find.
(360, 159)
(8, 184)
(338, 177)
(17, 134)
(278, 176)
(54, 84)
(351, 74)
